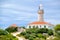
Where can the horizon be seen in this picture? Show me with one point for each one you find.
(22, 12)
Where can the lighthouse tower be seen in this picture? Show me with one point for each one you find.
(40, 13)
(40, 23)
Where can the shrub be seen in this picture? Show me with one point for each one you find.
(11, 29)
(50, 32)
(31, 38)
(57, 30)
(23, 33)
(57, 27)
(34, 33)
(42, 30)
(8, 37)
(3, 32)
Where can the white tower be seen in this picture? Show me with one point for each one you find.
(40, 13)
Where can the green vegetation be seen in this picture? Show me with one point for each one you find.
(7, 37)
(11, 29)
(36, 33)
(4, 35)
(57, 32)
(3, 32)
(31, 34)
(57, 38)
(57, 27)
(50, 32)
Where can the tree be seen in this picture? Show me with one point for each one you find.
(4, 35)
(11, 29)
(57, 30)
(23, 33)
(57, 27)
(40, 35)
(42, 30)
(3, 32)
(50, 32)
(8, 37)
(27, 36)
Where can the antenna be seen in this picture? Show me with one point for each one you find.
(40, 6)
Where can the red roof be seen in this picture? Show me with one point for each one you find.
(37, 22)
(14, 25)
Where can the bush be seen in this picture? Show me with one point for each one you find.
(3, 32)
(8, 37)
(56, 38)
(11, 29)
(4, 35)
(27, 36)
(42, 30)
(57, 27)
(39, 35)
(50, 32)
(31, 38)
(23, 33)
(57, 30)
(34, 33)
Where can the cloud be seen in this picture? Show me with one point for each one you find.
(13, 11)
(18, 7)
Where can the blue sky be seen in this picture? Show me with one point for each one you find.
(22, 12)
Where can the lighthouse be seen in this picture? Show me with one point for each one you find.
(40, 13)
(40, 23)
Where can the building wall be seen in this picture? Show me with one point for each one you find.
(20, 29)
(40, 26)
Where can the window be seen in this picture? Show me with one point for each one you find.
(40, 26)
(44, 26)
(29, 26)
(33, 26)
(36, 26)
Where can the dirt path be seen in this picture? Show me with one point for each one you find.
(19, 38)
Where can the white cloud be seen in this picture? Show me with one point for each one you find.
(17, 7)
(6, 5)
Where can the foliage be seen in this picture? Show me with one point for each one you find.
(42, 30)
(11, 29)
(40, 35)
(23, 33)
(56, 38)
(3, 32)
(57, 27)
(50, 32)
(8, 37)
(57, 30)
(4, 35)
(36, 33)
